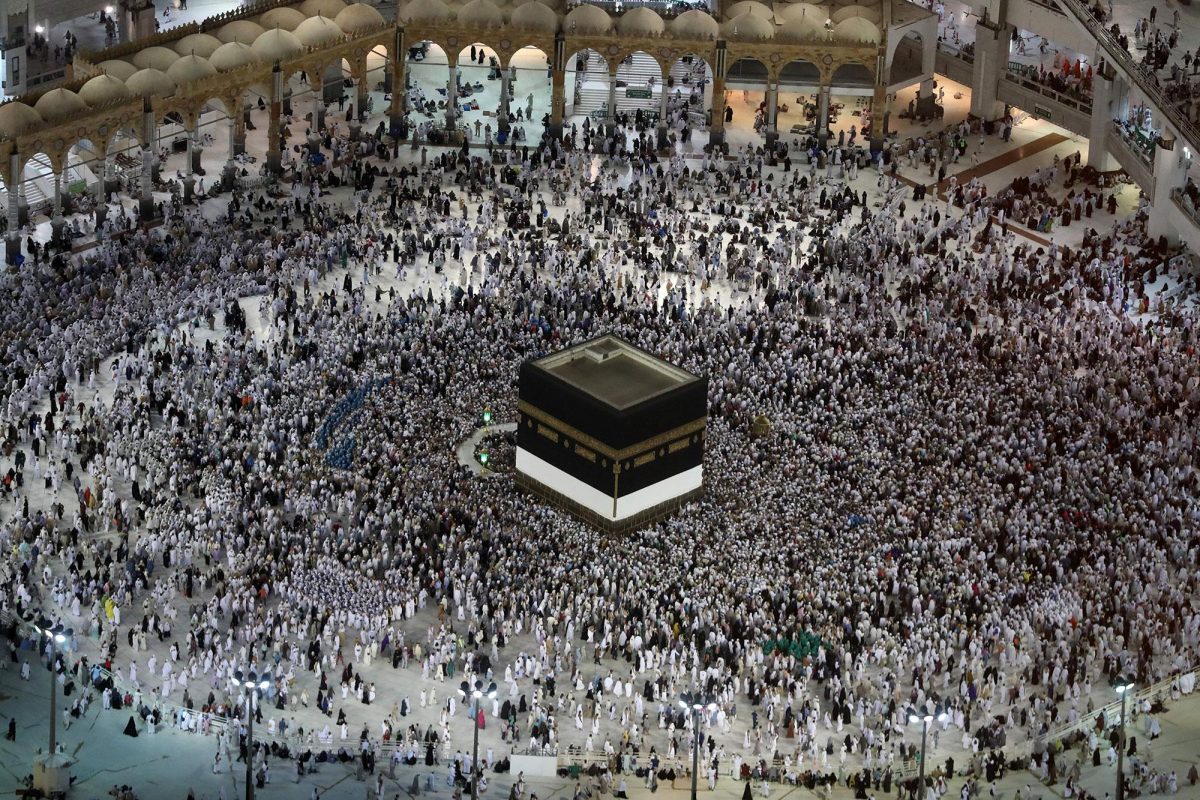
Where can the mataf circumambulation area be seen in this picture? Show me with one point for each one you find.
(611, 433)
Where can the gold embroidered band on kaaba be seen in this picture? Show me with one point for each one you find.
(591, 442)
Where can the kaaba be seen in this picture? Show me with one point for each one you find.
(611, 433)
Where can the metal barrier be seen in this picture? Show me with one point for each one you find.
(1112, 710)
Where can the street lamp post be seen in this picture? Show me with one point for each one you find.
(924, 718)
(1122, 686)
(473, 693)
(52, 773)
(253, 684)
(696, 702)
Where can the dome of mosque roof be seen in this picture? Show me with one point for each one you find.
(481, 13)
(240, 30)
(754, 7)
(199, 44)
(154, 58)
(232, 55)
(850, 12)
(587, 19)
(103, 89)
(190, 68)
(534, 16)
(427, 11)
(150, 81)
(318, 30)
(641, 22)
(695, 24)
(857, 29)
(16, 118)
(358, 17)
(282, 17)
(748, 27)
(325, 8)
(121, 70)
(794, 11)
(59, 104)
(276, 45)
(801, 29)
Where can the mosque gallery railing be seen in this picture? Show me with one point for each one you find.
(1186, 205)
(1120, 55)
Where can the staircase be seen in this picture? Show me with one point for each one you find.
(687, 77)
(39, 183)
(592, 97)
(38, 188)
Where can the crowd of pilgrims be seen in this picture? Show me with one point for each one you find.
(977, 494)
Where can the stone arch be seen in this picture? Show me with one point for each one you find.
(641, 79)
(478, 73)
(800, 72)
(38, 171)
(690, 79)
(748, 69)
(376, 63)
(622, 56)
(529, 69)
(594, 58)
(640, 65)
(746, 82)
(509, 48)
(906, 58)
(431, 72)
(853, 74)
(528, 48)
(215, 127)
(586, 82)
(84, 167)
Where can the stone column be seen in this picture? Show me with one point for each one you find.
(505, 97)
(274, 152)
(101, 190)
(110, 174)
(452, 98)
(399, 89)
(662, 114)
(189, 180)
(716, 128)
(362, 91)
(823, 112)
(141, 21)
(197, 150)
(12, 241)
(992, 42)
(878, 118)
(772, 118)
(558, 81)
(1170, 173)
(238, 131)
(146, 201)
(317, 124)
(925, 100)
(1101, 121)
(229, 173)
(610, 119)
(57, 223)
